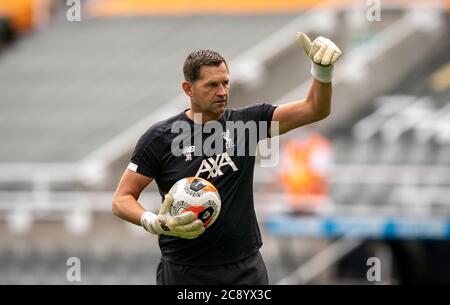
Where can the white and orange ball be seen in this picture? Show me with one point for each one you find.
(197, 195)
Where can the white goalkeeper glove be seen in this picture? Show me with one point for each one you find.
(323, 53)
(182, 225)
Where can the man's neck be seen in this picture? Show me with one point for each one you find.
(201, 118)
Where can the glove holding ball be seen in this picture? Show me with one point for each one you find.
(183, 225)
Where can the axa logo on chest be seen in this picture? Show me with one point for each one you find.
(213, 166)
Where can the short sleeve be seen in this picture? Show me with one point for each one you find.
(146, 159)
(259, 113)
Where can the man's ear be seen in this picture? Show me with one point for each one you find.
(187, 88)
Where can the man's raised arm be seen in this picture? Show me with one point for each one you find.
(317, 104)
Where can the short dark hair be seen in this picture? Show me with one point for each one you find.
(199, 58)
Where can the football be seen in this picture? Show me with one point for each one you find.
(197, 195)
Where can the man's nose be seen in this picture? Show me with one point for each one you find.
(221, 91)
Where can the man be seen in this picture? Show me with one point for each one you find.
(228, 251)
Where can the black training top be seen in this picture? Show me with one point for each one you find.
(235, 235)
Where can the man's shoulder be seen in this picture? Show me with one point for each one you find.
(250, 107)
(160, 129)
(248, 110)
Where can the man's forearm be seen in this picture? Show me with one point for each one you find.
(319, 98)
(128, 208)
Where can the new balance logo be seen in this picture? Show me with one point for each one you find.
(187, 152)
(214, 166)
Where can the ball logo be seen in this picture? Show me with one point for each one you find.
(197, 185)
(206, 214)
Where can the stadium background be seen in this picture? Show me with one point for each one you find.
(75, 96)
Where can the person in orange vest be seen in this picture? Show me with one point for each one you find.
(304, 171)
